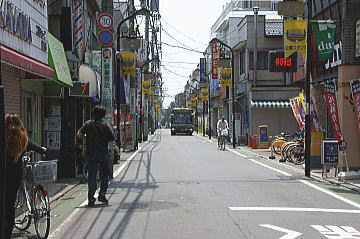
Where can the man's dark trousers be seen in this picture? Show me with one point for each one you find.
(94, 161)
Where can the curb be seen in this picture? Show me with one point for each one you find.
(344, 183)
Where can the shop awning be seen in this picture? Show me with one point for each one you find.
(88, 75)
(25, 63)
(58, 62)
(270, 104)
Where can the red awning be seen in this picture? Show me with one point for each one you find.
(23, 62)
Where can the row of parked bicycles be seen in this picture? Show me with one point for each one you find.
(290, 147)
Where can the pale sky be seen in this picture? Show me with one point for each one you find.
(189, 22)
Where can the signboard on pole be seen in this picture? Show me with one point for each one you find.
(295, 37)
(291, 8)
(324, 37)
(214, 59)
(105, 38)
(105, 21)
(107, 82)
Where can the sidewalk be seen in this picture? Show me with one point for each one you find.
(316, 173)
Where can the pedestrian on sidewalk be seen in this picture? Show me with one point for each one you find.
(17, 143)
(98, 133)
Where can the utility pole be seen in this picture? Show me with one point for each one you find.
(3, 164)
(307, 93)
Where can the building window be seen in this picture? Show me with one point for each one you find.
(262, 60)
(242, 62)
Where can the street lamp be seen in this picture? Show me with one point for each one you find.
(256, 11)
(141, 118)
(233, 86)
(142, 11)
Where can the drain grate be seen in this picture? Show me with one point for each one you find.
(135, 205)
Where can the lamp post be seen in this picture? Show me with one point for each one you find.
(141, 118)
(233, 87)
(142, 11)
(256, 11)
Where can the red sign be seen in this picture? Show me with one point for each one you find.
(333, 110)
(355, 88)
(215, 54)
(278, 63)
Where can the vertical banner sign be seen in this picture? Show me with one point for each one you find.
(78, 21)
(315, 119)
(295, 37)
(333, 110)
(202, 69)
(355, 89)
(214, 59)
(107, 82)
(293, 107)
(132, 101)
(357, 41)
(324, 38)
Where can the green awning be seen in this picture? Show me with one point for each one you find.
(57, 61)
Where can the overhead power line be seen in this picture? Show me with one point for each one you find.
(181, 32)
(185, 48)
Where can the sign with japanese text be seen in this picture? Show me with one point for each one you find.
(146, 86)
(202, 69)
(107, 82)
(128, 63)
(214, 59)
(355, 89)
(333, 110)
(330, 152)
(225, 77)
(132, 101)
(295, 39)
(324, 37)
(290, 8)
(278, 62)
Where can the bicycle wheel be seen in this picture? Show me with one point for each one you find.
(41, 212)
(22, 218)
(298, 155)
(222, 143)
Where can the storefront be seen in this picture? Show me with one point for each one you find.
(24, 59)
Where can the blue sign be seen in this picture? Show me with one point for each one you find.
(105, 38)
(330, 152)
(202, 68)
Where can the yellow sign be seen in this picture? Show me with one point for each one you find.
(128, 63)
(295, 37)
(302, 100)
(146, 87)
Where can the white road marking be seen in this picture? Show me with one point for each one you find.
(294, 209)
(331, 194)
(77, 210)
(336, 232)
(289, 233)
(235, 152)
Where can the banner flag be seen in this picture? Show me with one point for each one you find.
(302, 101)
(324, 38)
(355, 89)
(333, 109)
(315, 119)
(295, 39)
(293, 107)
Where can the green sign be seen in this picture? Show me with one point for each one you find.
(324, 38)
(58, 62)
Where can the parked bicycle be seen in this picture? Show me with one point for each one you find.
(32, 201)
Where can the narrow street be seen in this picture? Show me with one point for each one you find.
(183, 187)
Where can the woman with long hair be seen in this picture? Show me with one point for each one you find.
(16, 143)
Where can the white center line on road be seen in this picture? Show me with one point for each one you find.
(294, 209)
(331, 194)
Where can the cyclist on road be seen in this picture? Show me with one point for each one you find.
(221, 125)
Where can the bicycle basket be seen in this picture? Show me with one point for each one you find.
(224, 132)
(43, 171)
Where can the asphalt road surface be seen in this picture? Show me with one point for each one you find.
(184, 187)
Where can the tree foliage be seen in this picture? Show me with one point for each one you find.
(167, 113)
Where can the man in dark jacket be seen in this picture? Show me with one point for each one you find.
(98, 133)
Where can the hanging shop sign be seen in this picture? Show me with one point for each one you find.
(107, 82)
(295, 39)
(214, 59)
(132, 97)
(146, 86)
(291, 8)
(333, 109)
(202, 69)
(324, 33)
(128, 63)
(357, 40)
(355, 89)
(225, 77)
(278, 62)
(24, 27)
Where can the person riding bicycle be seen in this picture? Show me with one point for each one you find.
(220, 126)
